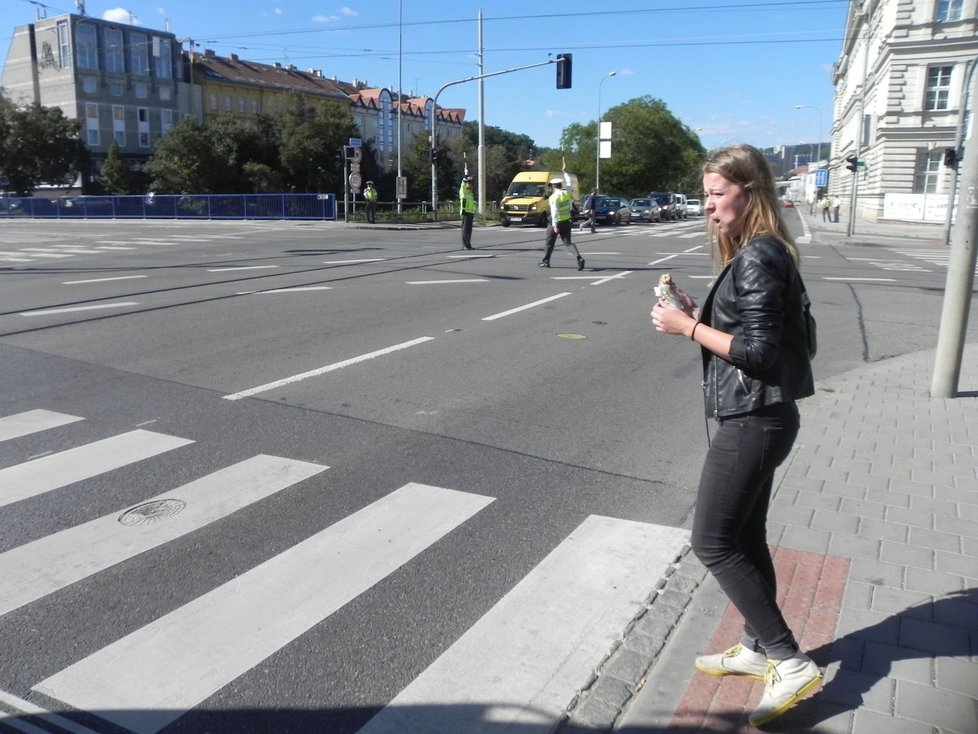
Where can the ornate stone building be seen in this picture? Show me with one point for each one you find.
(900, 89)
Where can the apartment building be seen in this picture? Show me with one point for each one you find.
(130, 85)
(900, 95)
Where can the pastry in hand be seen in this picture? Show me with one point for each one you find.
(667, 289)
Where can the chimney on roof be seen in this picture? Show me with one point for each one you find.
(209, 53)
(234, 57)
(278, 64)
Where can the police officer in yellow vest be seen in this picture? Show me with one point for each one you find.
(370, 194)
(467, 202)
(561, 203)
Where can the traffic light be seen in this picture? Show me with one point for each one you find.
(950, 157)
(564, 70)
(434, 155)
(853, 162)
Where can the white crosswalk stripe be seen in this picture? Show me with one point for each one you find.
(522, 663)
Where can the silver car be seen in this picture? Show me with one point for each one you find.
(645, 210)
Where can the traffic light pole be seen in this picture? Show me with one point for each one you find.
(434, 111)
(960, 280)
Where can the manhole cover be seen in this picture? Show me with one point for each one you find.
(150, 512)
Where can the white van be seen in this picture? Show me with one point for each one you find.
(681, 209)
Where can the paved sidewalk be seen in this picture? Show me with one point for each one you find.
(874, 527)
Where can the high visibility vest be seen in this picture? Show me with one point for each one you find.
(467, 199)
(370, 194)
(563, 205)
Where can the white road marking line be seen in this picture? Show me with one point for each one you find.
(241, 267)
(861, 280)
(608, 278)
(33, 421)
(441, 282)
(66, 467)
(20, 706)
(522, 663)
(72, 309)
(115, 247)
(673, 255)
(37, 252)
(474, 256)
(53, 562)
(102, 280)
(328, 368)
(524, 308)
(151, 677)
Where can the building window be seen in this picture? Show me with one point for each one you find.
(142, 126)
(163, 57)
(115, 57)
(89, 84)
(119, 124)
(139, 53)
(927, 177)
(241, 105)
(938, 88)
(166, 121)
(254, 106)
(91, 123)
(141, 90)
(227, 102)
(949, 11)
(166, 94)
(87, 49)
(213, 102)
(115, 89)
(64, 45)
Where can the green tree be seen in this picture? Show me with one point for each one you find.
(115, 176)
(310, 140)
(651, 150)
(38, 145)
(416, 165)
(209, 157)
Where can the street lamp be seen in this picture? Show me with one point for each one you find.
(809, 107)
(597, 154)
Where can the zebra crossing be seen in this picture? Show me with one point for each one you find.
(34, 254)
(522, 662)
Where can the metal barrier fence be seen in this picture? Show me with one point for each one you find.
(172, 206)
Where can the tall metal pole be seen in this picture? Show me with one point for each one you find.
(854, 197)
(960, 281)
(597, 152)
(958, 140)
(400, 90)
(482, 127)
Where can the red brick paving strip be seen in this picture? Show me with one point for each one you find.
(810, 589)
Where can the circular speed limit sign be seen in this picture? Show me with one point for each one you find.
(355, 180)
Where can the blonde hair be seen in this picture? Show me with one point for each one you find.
(747, 167)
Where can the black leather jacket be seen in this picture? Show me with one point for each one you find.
(758, 299)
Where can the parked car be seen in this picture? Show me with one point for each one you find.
(694, 207)
(667, 204)
(612, 210)
(645, 210)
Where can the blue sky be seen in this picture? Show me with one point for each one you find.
(732, 70)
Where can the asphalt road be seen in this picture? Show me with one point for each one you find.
(376, 360)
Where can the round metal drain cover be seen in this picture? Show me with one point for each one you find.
(150, 512)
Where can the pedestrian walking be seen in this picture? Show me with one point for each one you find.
(467, 203)
(370, 194)
(588, 207)
(752, 331)
(560, 220)
(836, 205)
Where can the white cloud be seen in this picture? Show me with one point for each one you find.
(325, 18)
(279, 11)
(560, 114)
(348, 12)
(120, 15)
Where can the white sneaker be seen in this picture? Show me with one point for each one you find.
(738, 660)
(785, 683)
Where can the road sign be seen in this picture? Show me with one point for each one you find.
(357, 154)
(355, 180)
(822, 177)
(355, 142)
